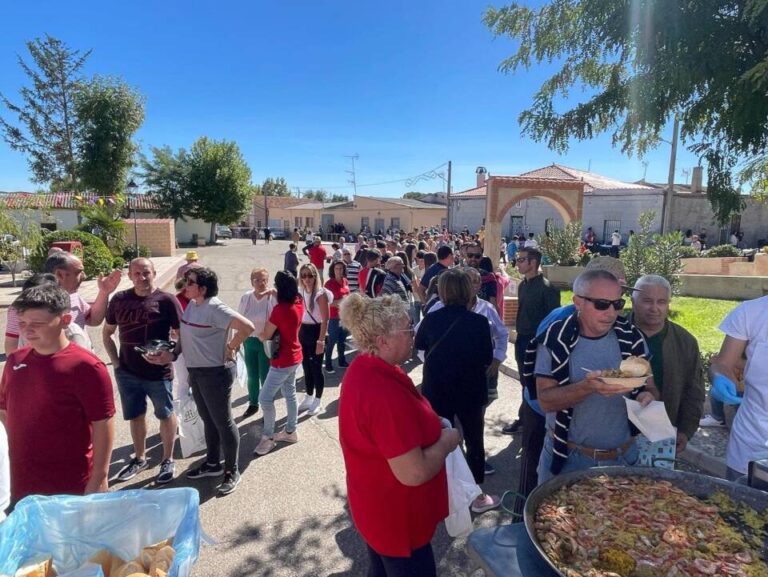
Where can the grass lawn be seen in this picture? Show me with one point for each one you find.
(698, 315)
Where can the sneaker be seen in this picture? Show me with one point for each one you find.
(231, 481)
(489, 470)
(132, 469)
(343, 364)
(205, 470)
(329, 370)
(305, 403)
(710, 421)
(167, 470)
(250, 411)
(485, 503)
(265, 446)
(314, 408)
(512, 428)
(284, 437)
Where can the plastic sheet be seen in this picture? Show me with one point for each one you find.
(71, 529)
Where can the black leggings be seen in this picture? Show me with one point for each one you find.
(472, 421)
(311, 362)
(421, 563)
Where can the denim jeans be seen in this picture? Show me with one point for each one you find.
(717, 407)
(577, 461)
(337, 336)
(279, 379)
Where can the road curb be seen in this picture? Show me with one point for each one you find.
(169, 275)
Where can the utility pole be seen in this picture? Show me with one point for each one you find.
(448, 199)
(669, 193)
(266, 208)
(353, 179)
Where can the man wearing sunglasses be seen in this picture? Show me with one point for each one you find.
(586, 418)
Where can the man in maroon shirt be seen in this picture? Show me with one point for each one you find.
(56, 402)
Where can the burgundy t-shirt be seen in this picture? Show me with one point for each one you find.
(51, 402)
(142, 319)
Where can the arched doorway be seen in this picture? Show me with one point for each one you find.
(567, 196)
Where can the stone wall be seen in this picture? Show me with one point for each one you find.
(693, 211)
(158, 234)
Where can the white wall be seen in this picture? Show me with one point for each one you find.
(185, 229)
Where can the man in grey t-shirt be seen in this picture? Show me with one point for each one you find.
(599, 420)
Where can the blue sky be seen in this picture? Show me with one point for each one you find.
(300, 85)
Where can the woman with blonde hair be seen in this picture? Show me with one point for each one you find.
(314, 329)
(393, 443)
(256, 305)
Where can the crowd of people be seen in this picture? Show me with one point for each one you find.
(427, 294)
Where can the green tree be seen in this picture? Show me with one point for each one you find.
(275, 187)
(318, 195)
(26, 239)
(166, 176)
(109, 113)
(219, 183)
(561, 245)
(45, 130)
(639, 62)
(414, 195)
(649, 253)
(339, 198)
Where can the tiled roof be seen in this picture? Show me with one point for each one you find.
(592, 180)
(277, 201)
(66, 200)
(316, 205)
(479, 191)
(409, 202)
(679, 188)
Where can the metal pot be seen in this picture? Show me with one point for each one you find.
(692, 483)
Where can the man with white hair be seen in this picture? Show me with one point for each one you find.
(675, 360)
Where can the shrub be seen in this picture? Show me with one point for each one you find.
(97, 258)
(722, 250)
(118, 262)
(648, 253)
(130, 252)
(561, 245)
(689, 252)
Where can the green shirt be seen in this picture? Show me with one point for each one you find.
(655, 345)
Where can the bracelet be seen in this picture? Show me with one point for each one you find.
(321, 342)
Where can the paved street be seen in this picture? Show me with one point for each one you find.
(288, 517)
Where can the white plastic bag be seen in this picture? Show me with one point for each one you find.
(191, 428)
(241, 377)
(462, 490)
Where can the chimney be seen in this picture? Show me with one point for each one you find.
(481, 173)
(696, 179)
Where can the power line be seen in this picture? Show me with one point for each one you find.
(405, 180)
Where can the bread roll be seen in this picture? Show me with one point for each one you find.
(37, 566)
(109, 561)
(130, 568)
(635, 367)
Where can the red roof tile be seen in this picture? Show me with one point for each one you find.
(66, 200)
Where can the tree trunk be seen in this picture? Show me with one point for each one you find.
(213, 233)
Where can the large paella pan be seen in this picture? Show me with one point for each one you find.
(648, 522)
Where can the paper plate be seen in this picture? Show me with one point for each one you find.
(627, 383)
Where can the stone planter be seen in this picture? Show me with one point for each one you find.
(719, 266)
(561, 276)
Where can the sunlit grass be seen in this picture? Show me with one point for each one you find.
(699, 316)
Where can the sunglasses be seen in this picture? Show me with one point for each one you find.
(605, 304)
(308, 275)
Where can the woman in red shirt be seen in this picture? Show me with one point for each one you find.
(393, 443)
(337, 335)
(285, 319)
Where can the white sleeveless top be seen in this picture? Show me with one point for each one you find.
(311, 307)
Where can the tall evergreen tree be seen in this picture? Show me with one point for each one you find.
(46, 126)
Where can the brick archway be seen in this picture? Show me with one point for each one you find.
(566, 195)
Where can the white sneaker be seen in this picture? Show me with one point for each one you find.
(710, 421)
(283, 437)
(306, 403)
(314, 408)
(265, 446)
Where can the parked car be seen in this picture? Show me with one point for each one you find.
(279, 234)
(223, 232)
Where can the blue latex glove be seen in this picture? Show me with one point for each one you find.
(724, 390)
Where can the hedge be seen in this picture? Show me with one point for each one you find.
(97, 258)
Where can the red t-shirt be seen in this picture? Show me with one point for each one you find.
(339, 292)
(287, 318)
(382, 416)
(51, 401)
(317, 256)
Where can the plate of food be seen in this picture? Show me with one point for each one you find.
(632, 373)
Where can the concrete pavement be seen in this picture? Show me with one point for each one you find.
(288, 517)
